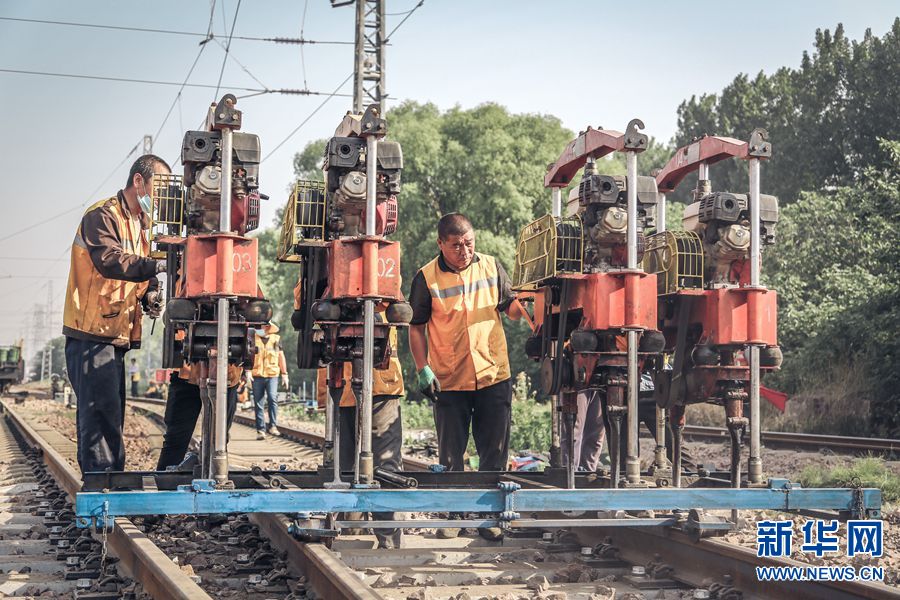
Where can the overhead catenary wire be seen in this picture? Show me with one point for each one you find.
(227, 47)
(387, 38)
(337, 89)
(302, 57)
(177, 100)
(277, 40)
(74, 208)
(308, 117)
(284, 91)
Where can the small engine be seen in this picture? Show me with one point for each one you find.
(201, 157)
(601, 202)
(722, 220)
(346, 183)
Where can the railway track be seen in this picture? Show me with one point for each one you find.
(599, 563)
(41, 500)
(812, 442)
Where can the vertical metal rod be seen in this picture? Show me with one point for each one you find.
(703, 171)
(631, 174)
(367, 474)
(359, 63)
(380, 50)
(555, 421)
(328, 446)
(220, 408)
(556, 202)
(659, 457)
(755, 464)
(661, 214)
(632, 460)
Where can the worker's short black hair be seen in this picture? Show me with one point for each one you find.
(453, 224)
(144, 165)
(133, 360)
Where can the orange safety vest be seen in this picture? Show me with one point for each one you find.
(266, 362)
(466, 343)
(385, 382)
(100, 307)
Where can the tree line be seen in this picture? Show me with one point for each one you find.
(834, 122)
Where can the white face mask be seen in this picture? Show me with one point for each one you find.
(145, 201)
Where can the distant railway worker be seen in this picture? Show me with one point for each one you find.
(110, 277)
(268, 364)
(387, 428)
(134, 374)
(459, 347)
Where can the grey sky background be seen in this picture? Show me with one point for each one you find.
(586, 62)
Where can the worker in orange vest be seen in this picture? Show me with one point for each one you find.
(111, 279)
(268, 364)
(459, 347)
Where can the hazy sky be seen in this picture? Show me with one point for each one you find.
(588, 62)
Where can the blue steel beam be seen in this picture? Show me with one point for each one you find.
(202, 499)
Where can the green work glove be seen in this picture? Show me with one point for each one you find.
(428, 383)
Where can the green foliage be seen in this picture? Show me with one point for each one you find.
(867, 472)
(835, 266)
(483, 162)
(416, 415)
(530, 420)
(823, 117)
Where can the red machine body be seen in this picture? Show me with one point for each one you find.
(220, 265)
(364, 269)
(606, 303)
(722, 319)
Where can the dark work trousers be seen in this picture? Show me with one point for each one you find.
(183, 408)
(387, 447)
(97, 373)
(134, 388)
(489, 411)
(589, 432)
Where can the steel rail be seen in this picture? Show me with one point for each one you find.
(146, 563)
(325, 572)
(696, 563)
(809, 441)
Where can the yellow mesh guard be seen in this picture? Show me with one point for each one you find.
(676, 257)
(167, 214)
(303, 223)
(548, 247)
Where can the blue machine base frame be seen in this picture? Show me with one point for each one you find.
(508, 500)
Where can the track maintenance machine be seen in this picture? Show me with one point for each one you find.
(335, 230)
(719, 321)
(597, 316)
(594, 307)
(199, 224)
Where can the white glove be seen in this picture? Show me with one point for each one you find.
(284, 380)
(248, 377)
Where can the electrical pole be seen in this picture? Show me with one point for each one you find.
(49, 329)
(369, 65)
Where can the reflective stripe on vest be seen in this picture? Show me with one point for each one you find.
(266, 363)
(466, 343)
(106, 308)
